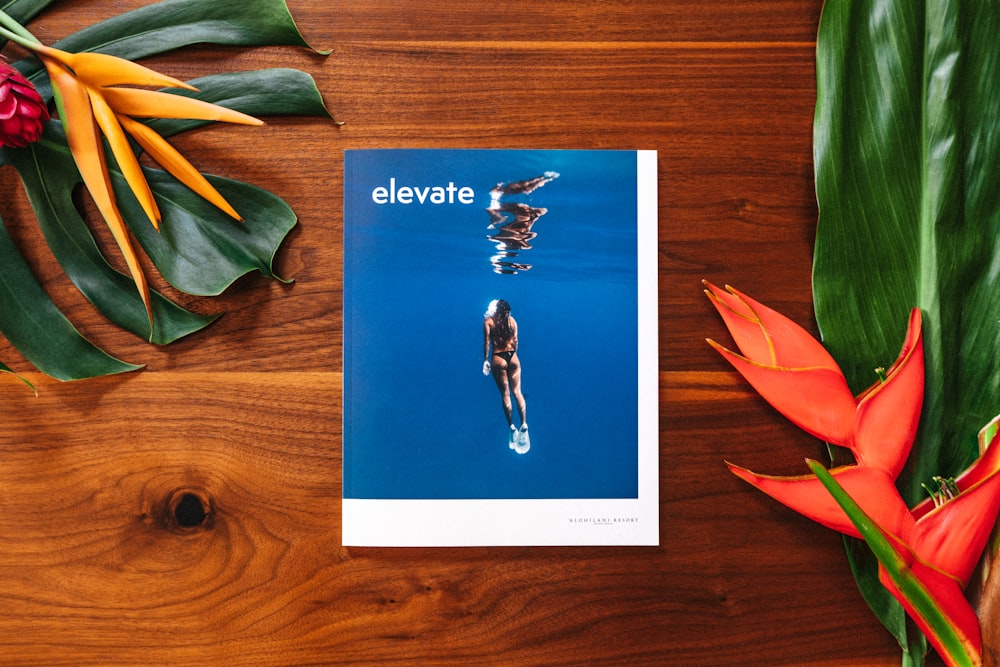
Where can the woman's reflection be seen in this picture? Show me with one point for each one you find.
(513, 221)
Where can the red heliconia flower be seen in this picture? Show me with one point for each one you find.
(22, 112)
(938, 543)
(940, 549)
(798, 377)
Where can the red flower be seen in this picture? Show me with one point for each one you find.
(22, 112)
(798, 377)
(934, 547)
(939, 550)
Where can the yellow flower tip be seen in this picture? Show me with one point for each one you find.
(220, 202)
(176, 164)
(720, 348)
(185, 85)
(127, 161)
(177, 83)
(718, 302)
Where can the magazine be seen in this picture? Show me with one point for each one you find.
(500, 348)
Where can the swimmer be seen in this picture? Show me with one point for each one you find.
(500, 356)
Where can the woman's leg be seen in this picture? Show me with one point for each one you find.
(514, 373)
(500, 377)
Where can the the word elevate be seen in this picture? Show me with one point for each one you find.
(434, 194)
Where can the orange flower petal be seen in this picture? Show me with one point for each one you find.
(750, 337)
(127, 161)
(101, 69)
(85, 144)
(141, 103)
(953, 536)
(170, 159)
(987, 465)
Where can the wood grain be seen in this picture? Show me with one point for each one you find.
(245, 417)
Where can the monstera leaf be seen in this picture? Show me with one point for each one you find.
(198, 250)
(906, 147)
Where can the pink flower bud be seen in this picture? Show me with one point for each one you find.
(22, 112)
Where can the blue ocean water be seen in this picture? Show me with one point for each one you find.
(421, 420)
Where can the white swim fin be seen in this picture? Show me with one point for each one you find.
(523, 442)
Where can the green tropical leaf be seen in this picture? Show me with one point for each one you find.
(267, 92)
(199, 249)
(173, 24)
(6, 369)
(900, 572)
(203, 253)
(907, 145)
(50, 176)
(34, 325)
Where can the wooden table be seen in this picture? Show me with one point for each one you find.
(243, 419)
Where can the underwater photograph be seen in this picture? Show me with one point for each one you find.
(490, 324)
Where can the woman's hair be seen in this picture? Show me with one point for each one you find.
(501, 318)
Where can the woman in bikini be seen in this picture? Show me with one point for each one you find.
(500, 338)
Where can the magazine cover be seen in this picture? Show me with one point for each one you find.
(500, 351)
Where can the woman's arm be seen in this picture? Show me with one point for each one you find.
(487, 326)
(486, 345)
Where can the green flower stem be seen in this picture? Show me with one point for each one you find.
(901, 575)
(15, 32)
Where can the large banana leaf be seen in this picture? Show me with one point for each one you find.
(200, 250)
(907, 151)
(906, 145)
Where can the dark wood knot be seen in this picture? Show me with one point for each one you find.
(189, 510)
